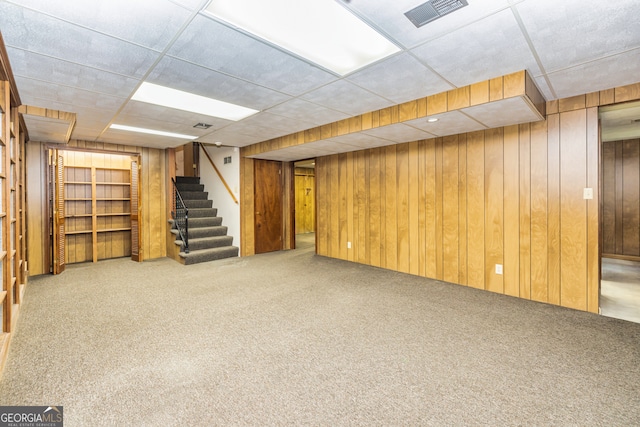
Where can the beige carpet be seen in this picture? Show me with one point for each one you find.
(295, 339)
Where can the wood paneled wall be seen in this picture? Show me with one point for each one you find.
(453, 208)
(153, 199)
(621, 199)
(305, 200)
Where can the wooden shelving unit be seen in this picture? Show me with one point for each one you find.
(97, 213)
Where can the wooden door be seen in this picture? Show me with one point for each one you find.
(268, 205)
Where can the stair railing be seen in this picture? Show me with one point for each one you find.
(218, 172)
(180, 215)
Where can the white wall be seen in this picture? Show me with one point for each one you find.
(227, 208)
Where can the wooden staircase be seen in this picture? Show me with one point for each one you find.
(208, 240)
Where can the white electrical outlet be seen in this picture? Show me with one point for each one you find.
(348, 245)
(588, 193)
(498, 268)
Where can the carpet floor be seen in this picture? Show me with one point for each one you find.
(292, 338)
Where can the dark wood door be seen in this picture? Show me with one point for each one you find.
(268, 205)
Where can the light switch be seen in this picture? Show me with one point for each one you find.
(588, 193)
(498, 268)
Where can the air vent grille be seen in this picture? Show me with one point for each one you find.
(432, 10)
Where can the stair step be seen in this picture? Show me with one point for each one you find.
(204, 255)
(202, 212)
(190, 187)
(198, 204)
(187, 180)
(218, 230)
(207, 242)
(194, 195)
(204, 222)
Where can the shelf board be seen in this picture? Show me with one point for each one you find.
(78, 232)
(3, 295)
(79, 216)
(78, 199)
(3, 254)
(113, 183)
(110, 199)
(114, 214)
(108, 230)
(78, 182)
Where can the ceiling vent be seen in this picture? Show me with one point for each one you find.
(202, 126)
(432, 10)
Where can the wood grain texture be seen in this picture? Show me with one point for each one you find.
(450, 207)
(553, 208)
(402, 202)
(391, 219)
(511, 210)
(630, 198)
(439, 211)
(539, 209)
(475, 209)
(593, 211)
(430, 208)
(573, 210)
(525, 211)
(374, 207)
(413, 206)
(494, 209)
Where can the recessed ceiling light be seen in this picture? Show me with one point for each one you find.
(432, 120)
(152, 131)
(173, 98)
(321, 31)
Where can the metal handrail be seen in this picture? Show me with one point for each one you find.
(219, 174)
(180, 215)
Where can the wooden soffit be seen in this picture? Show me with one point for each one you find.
(52, 125)
(502, 101)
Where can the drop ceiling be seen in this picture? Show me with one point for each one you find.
(89, 57)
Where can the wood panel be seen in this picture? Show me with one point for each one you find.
(475, 209)
(511, 211)
(539, 209)
(305, 200)
(573, 209)
(494, 209)
(621, 198)
(525, 211)
(450, 206)
(402, 203)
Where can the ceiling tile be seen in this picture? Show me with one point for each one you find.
(282, 124)
(211, 44)
(398, 133)
(300, 109)
(140, 139)
(571, 32)
(506, 112)
(43, 129)
(362, 140)
(606, 73)
(191, 78)
(158, 124)
(139, 22)
(491, 47)
(390, 18)
(39, 67)
(39, 33)
(348, 98)
(449, 123)
(400, 78)
(144, 110)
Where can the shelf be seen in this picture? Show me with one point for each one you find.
(78, 232)
(114, 214)
(78, 199)
(3, 295)
(114, 183)
(108, 230)
(111, 199)
(79, 216)
(77, 182)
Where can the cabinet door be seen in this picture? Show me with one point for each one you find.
(57, 178)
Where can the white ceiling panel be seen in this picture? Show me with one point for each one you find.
(616, 70)
(39, 33)
(149, 23)
(489, 48)
(46, 130)
(400, 78)
(571, 32)
(142, 109)
(389, 16)
(300, 109)
(505, 112)
(43, 68)
(361, 140)
(140, 139)
(449, 123)
(398, 133)
(348, 98)
(281, 124)
(191, 4)
(213, 45)
(191, 78)
(160, 125)
(230, 138)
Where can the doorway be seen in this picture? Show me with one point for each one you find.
(305, 204)
(620, 211)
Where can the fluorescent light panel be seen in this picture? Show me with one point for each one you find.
(177, 99)
(321, 31)
(152, 131)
